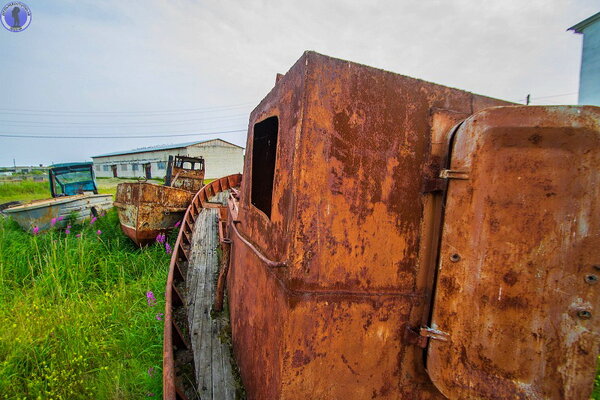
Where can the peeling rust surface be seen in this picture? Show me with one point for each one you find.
(146, 209)
(357, 147)
(520, 240)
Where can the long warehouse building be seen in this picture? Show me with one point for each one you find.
(220, 157)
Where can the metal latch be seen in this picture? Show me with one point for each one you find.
(454, 174)
(421, 336)
(434, 334)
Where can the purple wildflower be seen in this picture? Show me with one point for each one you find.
(53, 222)
(151, 371)
(98, 232)
(93, 220)
(159, 316)
(150, 299)
(60, 218)
(168, 248)
(67, 231)
(78, 235)
(177, 224)
(35, 230)
(161, 237)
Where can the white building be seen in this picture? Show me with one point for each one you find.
(221, 158)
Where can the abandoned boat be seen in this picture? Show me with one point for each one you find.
(74, 195)
(147, 209)
(399, 240)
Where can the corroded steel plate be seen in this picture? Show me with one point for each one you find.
(517, 299)
(323, 284)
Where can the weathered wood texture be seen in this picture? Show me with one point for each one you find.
(211, 356)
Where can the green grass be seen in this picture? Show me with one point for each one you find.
(596, 392)
(23, 191)
(74, 314)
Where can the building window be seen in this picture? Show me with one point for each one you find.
(264, 153)
(123, 167)
(97, 168)
(105, 168)
(161, 165)
(135, 167)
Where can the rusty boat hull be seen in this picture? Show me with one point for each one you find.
(146, 209)
(380, 253)
(398, 239)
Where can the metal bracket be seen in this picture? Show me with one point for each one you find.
(434, 185)
(454, 174)
(411, 335)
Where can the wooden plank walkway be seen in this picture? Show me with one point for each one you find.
(211, 357)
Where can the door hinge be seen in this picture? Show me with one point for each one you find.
(454, 174)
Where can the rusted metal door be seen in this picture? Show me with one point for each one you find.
(516, 309)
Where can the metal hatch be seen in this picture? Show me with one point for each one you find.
(516, 310)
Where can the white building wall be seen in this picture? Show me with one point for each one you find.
(221, 159)
(140, 159)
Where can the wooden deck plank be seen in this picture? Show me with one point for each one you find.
(211, 357)
(201, 325)
(219, 387)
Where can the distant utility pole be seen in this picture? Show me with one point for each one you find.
(527, 99)
(15, 163)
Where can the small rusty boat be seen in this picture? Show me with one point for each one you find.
(74, 195)
(147, 209)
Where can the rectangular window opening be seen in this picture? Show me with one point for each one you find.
(264, 153)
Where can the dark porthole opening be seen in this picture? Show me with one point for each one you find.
(264, 152)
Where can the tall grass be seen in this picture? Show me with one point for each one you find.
(75, 319)
(24, 190)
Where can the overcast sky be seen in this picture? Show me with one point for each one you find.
(115, 68)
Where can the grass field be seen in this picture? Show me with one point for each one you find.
(75, 316)
(28, 190)
(23, 191)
